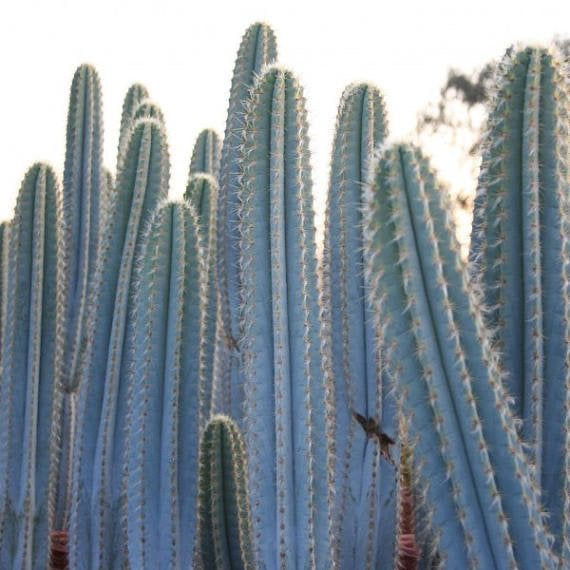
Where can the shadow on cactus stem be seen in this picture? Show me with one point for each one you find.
(58, 558)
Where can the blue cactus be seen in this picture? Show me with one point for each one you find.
(202, 195)
(257, 49)
(160, 455)
(29, 327)
(469, 462)
(223, 536)
(284, 408)
(365, 511)
(4, 241)
(142, 183)
(520, 255)
(83, 216)
(206, 154)
(148, 109)
(135, 95)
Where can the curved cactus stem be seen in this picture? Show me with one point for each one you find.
(135, 95)
(206, 155)
(142, 183)
(160, 455)
(257, 49)
(28, 388)
(361, 126)
(148, 109)
(520, 255)
(284, 411)
(202, 194)
(439, 352)
(224, 533)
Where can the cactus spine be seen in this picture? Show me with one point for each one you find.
(160, 456)
(476, 476)
(224, 534)
(206, 154)
(361, 125)
(521, 251)
(29, 322)
(148, 109)
(257, 49)
(4, 241)
(281, 334)
(142, 183)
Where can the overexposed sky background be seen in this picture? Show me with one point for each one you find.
(184, 51)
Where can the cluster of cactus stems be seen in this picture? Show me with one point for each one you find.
(186, 384)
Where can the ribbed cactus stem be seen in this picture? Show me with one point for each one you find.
(202, 195)
(206, 155)
(148, 109)
(439, 353)
(281, 334)
(257, 49)
(361, 125)
(82, 192)
(29, 322)
(224, 533)
(135, 95)
(161, 452)
(142, 183)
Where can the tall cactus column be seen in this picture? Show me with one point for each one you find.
(162, 400)
(521, 255)
(257, 49)
(29, 321)
(285, 426)
(83, 215)
(142, 183)
(363, 481)
(468, 458)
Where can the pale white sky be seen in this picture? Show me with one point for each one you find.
(184, 53)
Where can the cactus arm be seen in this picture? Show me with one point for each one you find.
(135, 95)
(285, 403)
(202, 194)
(520, 252)
(142, 184)
(4, 241)
(224, 538)
(257, 49)
(28, 365)
(82, 190)
(361, 125)
(206, 154)
(160, 458)
(485, 506)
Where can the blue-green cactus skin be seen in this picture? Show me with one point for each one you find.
(257, 49)
(142, 183)
(82, 194)
(148, 109)
(284, 407)
(224, 534)
(469, 460)
(202, 195)
(83, 206)
(161, 452)
(363, 497)
(206, 155)
(521, 255)
(136, 94)
(28, 364)
(4, 241)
